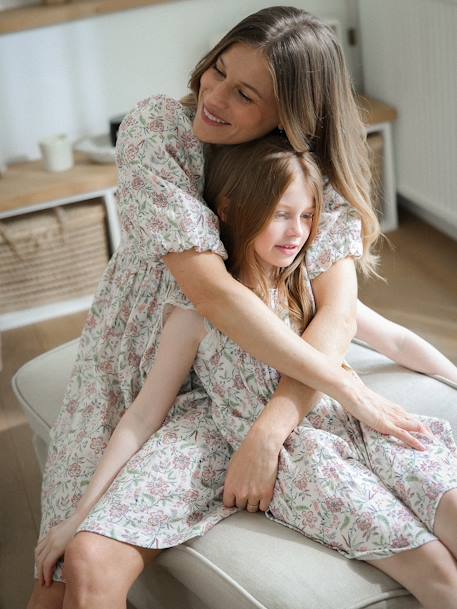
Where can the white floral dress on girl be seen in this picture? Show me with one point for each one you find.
(171, 490)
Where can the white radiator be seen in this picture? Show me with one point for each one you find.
(409, 50)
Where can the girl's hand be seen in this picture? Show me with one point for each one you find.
(381, 414)
(251, 475)
(52, 546)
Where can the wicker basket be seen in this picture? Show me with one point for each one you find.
(51, 256)
(376, 155)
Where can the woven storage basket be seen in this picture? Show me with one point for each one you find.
(376, 156)
(51, 256)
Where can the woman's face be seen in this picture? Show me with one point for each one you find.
(236, 102)
(287, 231)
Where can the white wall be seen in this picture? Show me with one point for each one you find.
(73, 77)
(409, 51)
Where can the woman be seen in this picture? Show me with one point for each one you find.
(171, 250)
(339, 482)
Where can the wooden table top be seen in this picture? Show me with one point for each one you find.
(27, 184)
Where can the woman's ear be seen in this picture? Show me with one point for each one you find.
(222, 207)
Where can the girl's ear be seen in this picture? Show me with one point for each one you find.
(222, 207)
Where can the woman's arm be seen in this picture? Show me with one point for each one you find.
(239, 314)
(252, 471)
(179, 342)
(402, 345)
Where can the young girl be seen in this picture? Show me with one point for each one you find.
(339, 482)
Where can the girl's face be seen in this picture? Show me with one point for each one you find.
(236, 102)
(285, 234)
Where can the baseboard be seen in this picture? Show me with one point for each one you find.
(441, 224)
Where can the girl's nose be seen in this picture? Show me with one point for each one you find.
(295, 228)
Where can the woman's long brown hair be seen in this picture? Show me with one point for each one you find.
(244, 184)
(316, 103)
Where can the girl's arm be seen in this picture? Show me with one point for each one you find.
(401, 345)
(252, 472)
(181, 335)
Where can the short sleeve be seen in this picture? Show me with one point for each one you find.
(339, 234)
(160, 176)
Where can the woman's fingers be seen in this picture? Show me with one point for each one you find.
(406, 437)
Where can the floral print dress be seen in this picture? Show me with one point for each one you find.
(171, 489)
(339, 482)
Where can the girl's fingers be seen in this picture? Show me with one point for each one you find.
(228, 499)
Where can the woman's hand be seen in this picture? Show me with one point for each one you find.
(52, 546)
(381, 414)
(251, 474)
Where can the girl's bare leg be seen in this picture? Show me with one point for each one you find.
(446, 521)
(428, 572)
(100, 571)
(47, 598)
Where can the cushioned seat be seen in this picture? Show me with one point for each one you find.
(247, 561)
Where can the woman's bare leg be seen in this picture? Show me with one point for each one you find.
(47, 598)
(100, 571)
(428, 572)
(446, 521)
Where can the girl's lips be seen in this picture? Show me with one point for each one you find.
(287, 249)
(212, 119)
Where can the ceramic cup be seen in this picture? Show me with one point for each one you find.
(57, 152)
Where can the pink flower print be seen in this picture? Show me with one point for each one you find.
(137, 183)
(181, 461)
(309, 519)
(194, 518)
(157, 518)
(91, 321)
(98, 445)
(334, 504)
(133, 360)
(215, 359)
(161, 200)
(400, 541)
(169, 437)
(131, 153)
(72, 406)
(191, 495)
(156, 125)
(74, 470)
(238, 382)
(364, 522)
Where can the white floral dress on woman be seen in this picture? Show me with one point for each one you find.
(171, 489)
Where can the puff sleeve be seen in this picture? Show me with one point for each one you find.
(339, 234)
(161, 172)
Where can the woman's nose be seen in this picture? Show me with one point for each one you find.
(218, 95)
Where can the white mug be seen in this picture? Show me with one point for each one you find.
(57, 152)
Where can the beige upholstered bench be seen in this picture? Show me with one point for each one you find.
(247, 561)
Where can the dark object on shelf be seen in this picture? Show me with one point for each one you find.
(114, 127)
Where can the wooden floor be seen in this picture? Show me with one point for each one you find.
(421, 293)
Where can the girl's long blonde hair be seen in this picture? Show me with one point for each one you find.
(316, 103)
(244, 184)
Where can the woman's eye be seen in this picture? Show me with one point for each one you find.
(308, 216)
(218, 70)
(244, 96)
(280, 214)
